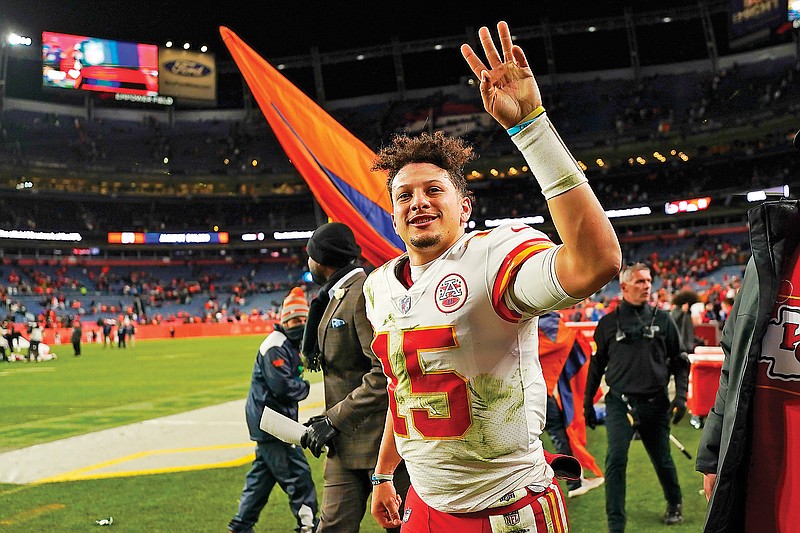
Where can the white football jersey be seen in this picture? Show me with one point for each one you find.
(466, 390)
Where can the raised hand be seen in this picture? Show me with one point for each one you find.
(508, 88)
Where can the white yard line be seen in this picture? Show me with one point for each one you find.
(210, 437)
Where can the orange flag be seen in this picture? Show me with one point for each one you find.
(334, 163)
(567, 351)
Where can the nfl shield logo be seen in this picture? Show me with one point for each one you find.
(405, 304)
(511, 519)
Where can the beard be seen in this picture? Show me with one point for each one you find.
(318, 276)
(425, 241)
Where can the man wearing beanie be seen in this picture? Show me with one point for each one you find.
(277, 383)
(337, 341)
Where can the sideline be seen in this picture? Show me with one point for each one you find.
(210, 437)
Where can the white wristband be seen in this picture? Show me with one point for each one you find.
(548, 158)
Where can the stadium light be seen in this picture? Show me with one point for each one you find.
(186, 46)
(204, 49)
(18, 40)
(168, 44)
(761, 195)
(494, 222)
(11, 40)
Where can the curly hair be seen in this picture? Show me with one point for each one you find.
(448, 153)
(685, 297)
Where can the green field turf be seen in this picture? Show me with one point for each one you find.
(42, 402)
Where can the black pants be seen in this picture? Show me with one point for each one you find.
(654, 429)
(76, 347)
(557, 431)
(286, 465)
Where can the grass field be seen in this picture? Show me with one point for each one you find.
(70, 396)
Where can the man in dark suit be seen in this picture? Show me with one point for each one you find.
(337, 340)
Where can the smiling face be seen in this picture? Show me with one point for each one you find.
(429, 213)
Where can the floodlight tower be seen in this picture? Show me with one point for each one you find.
(8, 41)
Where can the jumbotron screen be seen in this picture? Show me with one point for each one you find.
(92, 64)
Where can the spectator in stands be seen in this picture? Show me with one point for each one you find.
(725, 307)
(338, 341)
(709, 313)
(77, 334)
(747, 449)
(277, 383)
(697, 311)
(138, 307)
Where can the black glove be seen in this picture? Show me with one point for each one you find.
(320, 433)
(314, 419)
(590, 416)
(678, 409)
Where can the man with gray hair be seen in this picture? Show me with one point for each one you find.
(638, 348)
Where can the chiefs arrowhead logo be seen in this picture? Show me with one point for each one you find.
(781, 345)
(451, 293)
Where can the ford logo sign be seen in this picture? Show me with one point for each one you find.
(184, 67)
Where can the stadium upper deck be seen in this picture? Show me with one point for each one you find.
(648, 133)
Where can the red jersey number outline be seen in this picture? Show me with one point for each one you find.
(449, 383)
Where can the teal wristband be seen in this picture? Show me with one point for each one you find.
(519, 127)
(529, 119)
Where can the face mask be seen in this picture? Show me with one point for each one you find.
(295, 334)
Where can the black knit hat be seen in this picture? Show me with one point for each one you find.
(333, 245)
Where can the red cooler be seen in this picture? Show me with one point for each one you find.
(704, 379)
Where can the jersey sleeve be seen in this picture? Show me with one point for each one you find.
(536, 288)
(509, 248)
